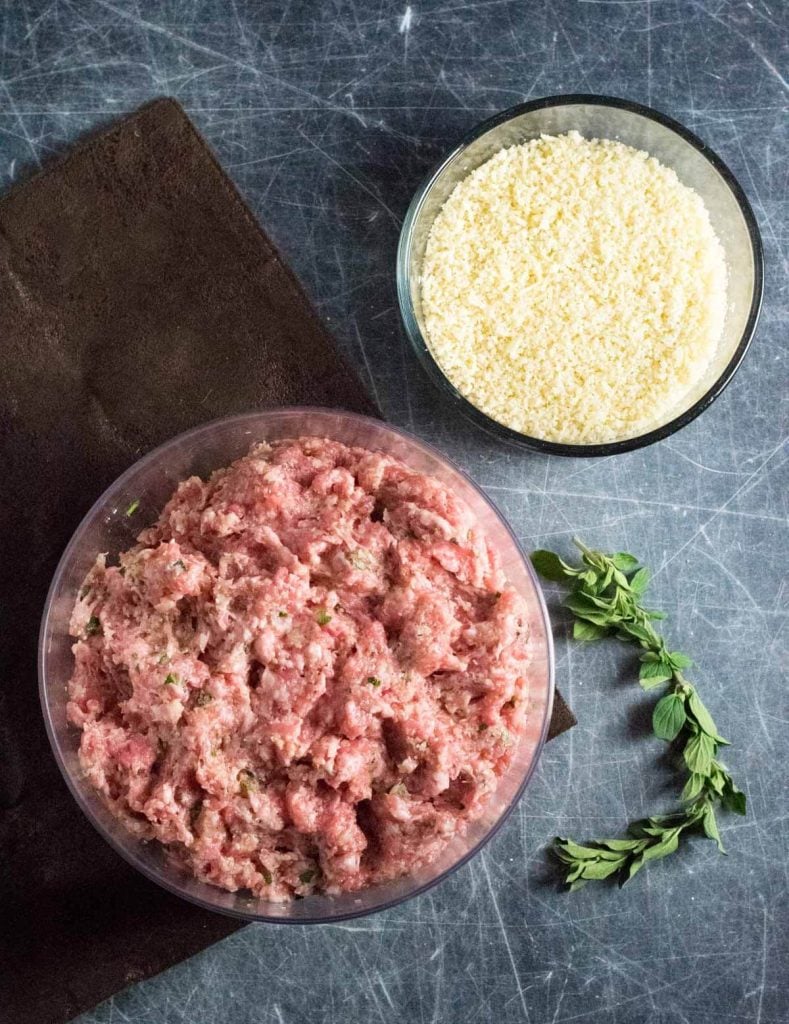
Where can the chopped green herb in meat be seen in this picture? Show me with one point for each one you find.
(93, 627)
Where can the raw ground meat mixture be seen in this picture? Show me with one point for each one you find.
(308, 675)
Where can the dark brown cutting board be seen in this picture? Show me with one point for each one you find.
(138, 297)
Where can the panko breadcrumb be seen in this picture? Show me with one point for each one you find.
(574, 289)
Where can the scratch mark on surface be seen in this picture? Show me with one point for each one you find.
(367, 366)
(763, 980)
(728, 573)
(754, 476)
(385, 990)
(362, 185)
(503, 927)
(405, 29)
(381, 91)
(754, 47)
(22, 126)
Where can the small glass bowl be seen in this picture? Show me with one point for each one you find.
(645, 129)
(108, 528)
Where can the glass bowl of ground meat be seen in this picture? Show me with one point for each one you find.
(295, 666)
(581, 275)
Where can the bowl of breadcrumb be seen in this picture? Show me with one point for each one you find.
(582, 275)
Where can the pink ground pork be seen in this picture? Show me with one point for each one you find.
(307, 676)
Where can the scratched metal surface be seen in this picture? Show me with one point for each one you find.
(328, 115)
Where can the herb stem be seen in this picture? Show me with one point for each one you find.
(605, 598)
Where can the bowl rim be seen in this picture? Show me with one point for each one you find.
(126, 852)
(515, 437)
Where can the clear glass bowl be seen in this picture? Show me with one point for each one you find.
(643, 128)
(107, 528)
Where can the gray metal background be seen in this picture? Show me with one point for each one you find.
(328, 115)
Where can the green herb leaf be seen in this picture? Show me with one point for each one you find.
(644, 829)
(644, 634)
(622, 844)
(583, 607)
(693, 786)
(639, 582)
(551, 567)
(605, 598)
(582, 601)
(710, 825)
(268, 878)
(203, 698)
(282, 615)
(132, 508)
(716, 779)
(650, 684)
(574, 850)
(323, 618)
(600, 869)
(669, 716)
(699, 752)
(635, 865)
(591, 581)
(625, 562)
(93, 627)
(170, 679)
(733, 799)
(702, 716)
(588, 631)
(668, 844)
(307, 876)
(654, 673)
(373, 681)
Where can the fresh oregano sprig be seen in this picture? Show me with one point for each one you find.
(605, 598)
